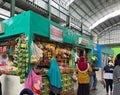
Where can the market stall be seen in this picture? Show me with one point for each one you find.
(34, 43)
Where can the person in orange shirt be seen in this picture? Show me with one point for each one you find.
(83, 69)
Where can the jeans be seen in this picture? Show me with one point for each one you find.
(93, 81)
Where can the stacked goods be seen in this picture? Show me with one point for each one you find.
(21, 57)
(6, 65)
(63, 56)
(67, 82)
(45, 85)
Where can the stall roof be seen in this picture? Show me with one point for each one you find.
(30, 23)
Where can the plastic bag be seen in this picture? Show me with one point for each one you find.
(36, 51)
(74, 77)
(103, 83)
(34, 82)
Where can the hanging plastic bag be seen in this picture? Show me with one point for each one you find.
(34, 82)
(74, 77)
(37, 53)
(103, 83)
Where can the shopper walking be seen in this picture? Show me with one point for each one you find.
(116, 76)
(83, 69)
(92, 75)
(108, 76)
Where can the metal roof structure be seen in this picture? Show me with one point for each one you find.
(93, 10)
(97, 16)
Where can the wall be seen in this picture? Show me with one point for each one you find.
(116, 50)
(11, 85)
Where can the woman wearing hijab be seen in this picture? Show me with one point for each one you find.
(116, 76)
(108, 76)
(54, 77)
(83, 70)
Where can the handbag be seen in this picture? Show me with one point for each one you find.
(103, 83)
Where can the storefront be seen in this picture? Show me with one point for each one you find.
(28, 30)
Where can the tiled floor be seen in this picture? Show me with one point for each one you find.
(100, 90)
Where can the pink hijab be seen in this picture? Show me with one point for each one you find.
(82, 65)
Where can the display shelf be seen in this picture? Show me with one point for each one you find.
(67, 84)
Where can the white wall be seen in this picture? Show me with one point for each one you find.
(11, 85)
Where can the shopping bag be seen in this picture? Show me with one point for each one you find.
(103, 83)
(34, 82)
(74, 77)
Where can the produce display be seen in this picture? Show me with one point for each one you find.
(6, 64)
(63, 56)
(21, 57)
(45, 85)
(67, 82)
(6, 56)
(40, 60)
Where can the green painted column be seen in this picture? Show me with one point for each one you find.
(12, 9)
(49, 10)
(69, 18)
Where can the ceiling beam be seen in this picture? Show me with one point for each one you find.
(81, 9)
(94, 31)
(115, 20)
(80, 14)
(99, 10)
(98, 29)
(95, 7)
(110, 22)
(8, 9)
(106, 29)
(2, 3)
(119, 18)
(106, 23)
(88, 8)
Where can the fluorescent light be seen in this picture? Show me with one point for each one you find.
(113, 14)
(4, 17)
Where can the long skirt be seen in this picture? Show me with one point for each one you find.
(83, 89)
(0, 88)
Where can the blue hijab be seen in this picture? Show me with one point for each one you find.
(54, 74)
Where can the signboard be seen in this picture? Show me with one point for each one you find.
(1, 28)
(83, 41)
(56, 34)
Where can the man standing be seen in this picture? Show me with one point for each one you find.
(93, 78)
